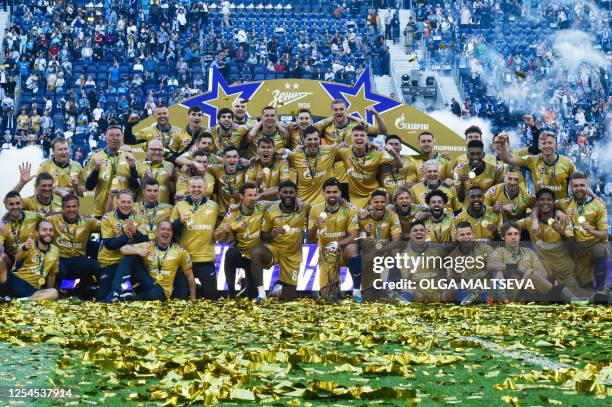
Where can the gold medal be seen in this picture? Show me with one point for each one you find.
(266, 171)
(323, 215)
(378, 246)
(581, 219)
(551, 221)
(287, 228)
(115, 181)
(472, 175)
(484, 223)
(41, 281)
(159, 278)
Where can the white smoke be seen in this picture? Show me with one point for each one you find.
(10, 160)
(575, 48)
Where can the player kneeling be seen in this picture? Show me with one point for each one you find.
(152, 267)
(36, 265)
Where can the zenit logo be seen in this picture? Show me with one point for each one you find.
(287, 96)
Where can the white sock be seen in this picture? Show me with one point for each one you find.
(261, 292)
(356, 291)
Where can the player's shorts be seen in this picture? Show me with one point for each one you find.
(583, 256)
(330, 270)
(289, 265)
(16, 287)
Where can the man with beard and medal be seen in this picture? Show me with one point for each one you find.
(200, 159)
(71, 233)
(392, 178)
(267, 127)
(432, 182)
(282, 232)
(193, 220)
(162, 129)
(511, 198)
(226, 133)
(150, 211)
(380, 234)
(362, 161)
(312, 166)
(438, 225)
(484, 220)
(153, 266)
(475, 172)
(44, 201)
(303, 121)
(267, 171)
(36, 265)
(469, 263)
(229, 178)
(405, 210)
(333, 225)
(548, 169)
(243, 223)
(17, 225)
(158, 169)
(340, 130)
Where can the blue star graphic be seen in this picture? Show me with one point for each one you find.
(363, 86)
(219, 89)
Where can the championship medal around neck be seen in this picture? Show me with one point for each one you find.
(551, 221)
(378, 245)
(484, 223)
(472, 175)
(581, 219)
(41, 281)
(323, 216)
(287, 228)
(266, 171)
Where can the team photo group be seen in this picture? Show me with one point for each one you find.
(164, 195)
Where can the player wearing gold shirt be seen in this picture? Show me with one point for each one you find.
(471, 133)
(158, 169)
(432, 182)
(230, 177)
(485, 222)
(188, 135)
(194, 220)
(118, 228)
(200, 159)
(334, 227)
(44, 201)
(225, 133)
(17, 225)
(475, 172)
(267, 171)
(239, 107)
(68, 175)
(392, 178)
(548, 169)
(340, 130)
(35, 267)
(149, 212)
(304, 120)
(154, 266)
(267, 127)
(427, 143)
(439, 225)
(511, 199)
(282, 231)
(110, 168)
(362, 162)
(203, 143)
(162, 129)
(405, 210)
(590, 219)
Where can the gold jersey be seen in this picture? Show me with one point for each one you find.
(479, 224)
(429, 267)
(273, 174)
(361, 172)
(523, 201)
(289, 243)
(246, 227)
(182, 183)
(235, 138)
(392, 178)
(419, 192)
(153, 131)
(227, 185)
(471, 265)
(196, 233)
(406, 218)
(416, 166)
(112, 226)
(114, 173)
(527, 261)
(492, 174)
(335, 134)
(36, 265)
(63, 174)
(556, 176)
(163, 264)
(71, 238)
(296, 136)
(148, 216)
(337, 223)
(380, 230)
(592, 210)
(311, 172)
(279, 142)
(163, 172)
(33, 203)
(13, 234)
(440, 231)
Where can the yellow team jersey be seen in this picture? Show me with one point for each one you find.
(16, 233)
(311, 172)
(381, 230)
(429, 268)
(479, 225)
(71, 238)
(337, 223)
(114, 173)
(592, 210)
(475, 269)
(155, 132)
(163, 264)
(33, 203)
(361, 172)
(407, 218)
(527, 261)
(419, 192)
(227, 185)
(279, 142)
(440, 231)
(277, 172)
(392, 178)
(112, 226)
(37, 265)
(182, 183)
(246, 227)
(196, 233)
(552, 250)
(163, 172)
(462, 159)
(234, 138)
(523, 201)
(296, 136)
(556, 176)
(416, 166)
(148, 216)
(492, 174)
(63, 174)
